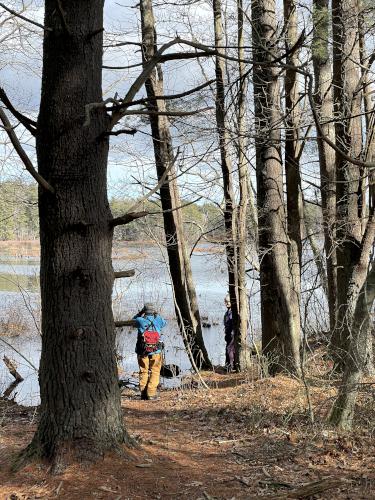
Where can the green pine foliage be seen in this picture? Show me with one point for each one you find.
(19, 216)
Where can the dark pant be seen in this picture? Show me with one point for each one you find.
(228, 340)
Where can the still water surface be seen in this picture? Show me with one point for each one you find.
(19, 298)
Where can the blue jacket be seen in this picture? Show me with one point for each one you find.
(143, 322)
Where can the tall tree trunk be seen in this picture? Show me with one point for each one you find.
(348, 131)
(342, 414)
(179, 261)
(292, 168)
(242, 351)
(324, 106)
(226, 168)
(80, 412)
(280, 330)
(368, 181)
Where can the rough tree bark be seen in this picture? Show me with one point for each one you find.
(280, 330)
(342, 413)
(242, 352)
(292, 154)
(80, 412)
(348, 131)
(179, 261)
(324, 105)
(368, 178)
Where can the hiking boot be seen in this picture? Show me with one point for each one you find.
(153, 398)
(144, 396)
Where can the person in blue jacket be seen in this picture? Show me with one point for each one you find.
(149, 362)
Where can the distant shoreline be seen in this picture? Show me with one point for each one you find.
(31, 248)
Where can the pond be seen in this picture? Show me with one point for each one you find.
(20, 309)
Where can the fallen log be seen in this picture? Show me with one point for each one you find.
(12, 367)
(8, 391)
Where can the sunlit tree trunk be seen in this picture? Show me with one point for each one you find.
(242, 345)
(342, 413)
(292, 167)
(280, 330)
(324, 105)
(348, 131)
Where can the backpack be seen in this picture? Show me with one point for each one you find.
(150, 340)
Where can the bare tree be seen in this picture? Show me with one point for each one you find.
(179, 260)
(324, 105)
(80, 412)
(293, 146)
(348, 132)
(280, 318)
(245, 201)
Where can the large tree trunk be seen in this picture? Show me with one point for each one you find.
(292, 167)
(280, 328)
(179, 262)
(342, 414)
(348, 130)
(324, 105)
(368, 181)
(242, 352)
(80, 413)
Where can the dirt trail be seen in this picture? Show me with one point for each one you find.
(243, 439)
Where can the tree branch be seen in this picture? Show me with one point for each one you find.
(165, 113)
(22, 154)
(29, 124)
(125, 274)
(162, 97)
(350, 159)
(126, 131)
(14, 13)
(127, 218)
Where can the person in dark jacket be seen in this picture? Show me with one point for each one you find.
(149, 363)
(229, 334)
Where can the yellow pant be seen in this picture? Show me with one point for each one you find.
(149, 373)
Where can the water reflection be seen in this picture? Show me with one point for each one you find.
(151, 283)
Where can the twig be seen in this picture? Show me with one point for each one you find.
(162, 97)
(165, 113)
(22, 154)
(29, 124)
(19, 353)
(24, 18)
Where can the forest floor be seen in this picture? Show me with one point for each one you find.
(244, 438)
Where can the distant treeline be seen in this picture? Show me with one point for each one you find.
(18, 211)
(19, 216)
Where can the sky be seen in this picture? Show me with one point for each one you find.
(20, 75)
(131, 158)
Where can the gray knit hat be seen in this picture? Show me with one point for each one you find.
(149, 308)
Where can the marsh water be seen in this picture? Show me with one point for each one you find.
(20, 309)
